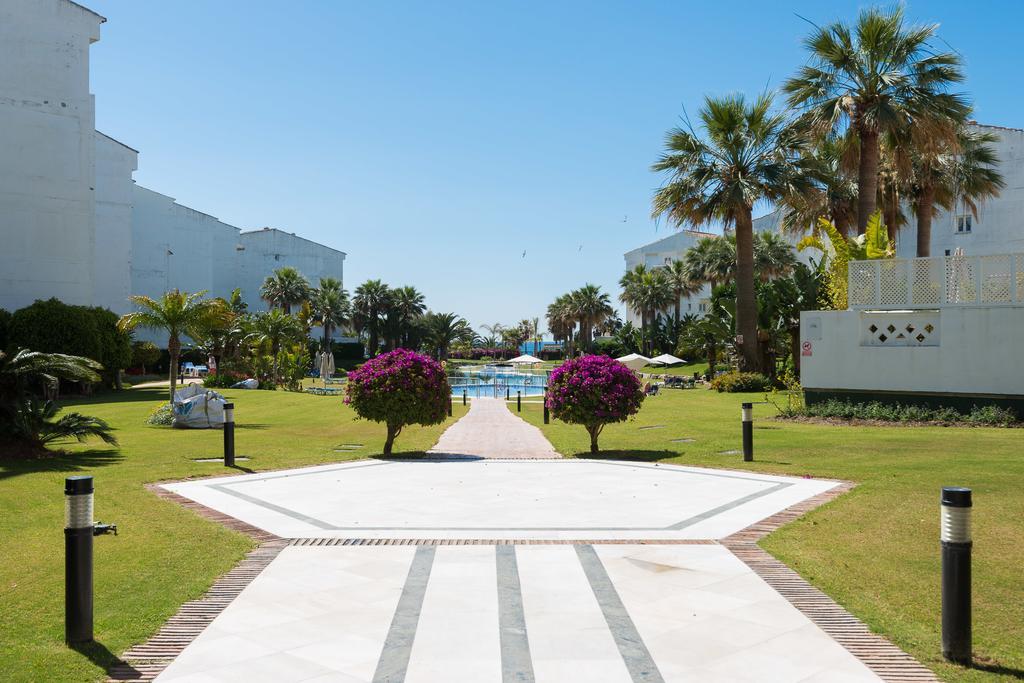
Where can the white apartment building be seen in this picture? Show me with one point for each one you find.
(73, 223)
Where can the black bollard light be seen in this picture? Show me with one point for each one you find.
(464, 392)
(78, 560)
(748, 432)
(508, 395)
(229, 435)
(956, 573)
(79, 530)
(519, 401)
(547, 415)
(450, 402)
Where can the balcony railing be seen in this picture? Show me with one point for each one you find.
(937, 282)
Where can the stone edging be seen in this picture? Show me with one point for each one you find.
(146, 661)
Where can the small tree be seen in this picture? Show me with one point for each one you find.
(593, 391)
(144, 353)
(399, 388)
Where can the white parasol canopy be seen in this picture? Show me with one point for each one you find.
(667, 359)
(635, 361)
(525, 360)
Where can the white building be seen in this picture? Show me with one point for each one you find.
(73, 222)
(999, 227)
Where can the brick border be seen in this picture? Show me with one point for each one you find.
(887, 661)
(147, 661)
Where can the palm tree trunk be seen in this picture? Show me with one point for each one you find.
(173, 350)
(892, 209)
(925, 205)
(867, 178)
(746, 299)
(678, 305)
(794, 348)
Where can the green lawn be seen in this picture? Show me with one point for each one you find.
(876, 549)
(164, 554)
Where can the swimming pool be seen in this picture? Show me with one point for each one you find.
(496, 381)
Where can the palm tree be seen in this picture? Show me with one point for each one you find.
(647, 292)
(29, 420)
(682, 283)
(951, 177)
(712, 260)
(275, 328)
(749, 155)
(407, 304)
(591, 307)
(773, 256)
(561, 321)
(877, 76)
(179, 314)
(536, 334)
(444, 329)
(832, 191)
(330, 308)
(370, 303)
(285, 288)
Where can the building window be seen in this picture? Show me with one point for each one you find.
(964, 223)
(703, 308)
(947, 252)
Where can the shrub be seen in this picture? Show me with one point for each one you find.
(53, 326)
(144, 353)
(399, 388)
(896, 412)
(223, 379)
(732, 382)
(162, 415)
(593, 391)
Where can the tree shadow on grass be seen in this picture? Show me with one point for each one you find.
(146, 395)
(58, 462)
(637, 455)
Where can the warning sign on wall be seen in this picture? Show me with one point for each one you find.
(806, 349)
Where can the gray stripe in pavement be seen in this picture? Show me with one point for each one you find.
(276, 508)
(708, 514)
(516, 662)
(394, 657)
(635, 655)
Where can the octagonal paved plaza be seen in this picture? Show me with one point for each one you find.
(491, 499)
(478, 570)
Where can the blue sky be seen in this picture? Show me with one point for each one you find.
(436, 142)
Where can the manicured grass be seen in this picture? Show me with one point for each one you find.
(686, 369)
(876, 549)
(164, 555)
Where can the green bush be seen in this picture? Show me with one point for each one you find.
(223, 379)
(732, 382)
(144, 353)
(53, 326)
(897, 412)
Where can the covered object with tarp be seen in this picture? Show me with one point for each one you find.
(196, 407)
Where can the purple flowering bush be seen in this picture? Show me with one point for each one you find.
(399, 388)
(593, 391)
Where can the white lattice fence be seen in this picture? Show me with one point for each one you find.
(936, 282)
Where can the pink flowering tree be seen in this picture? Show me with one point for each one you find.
(593, 391)
(399, 388)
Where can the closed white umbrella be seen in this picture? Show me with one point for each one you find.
(667, 359)
(634, 361)
(326, 366)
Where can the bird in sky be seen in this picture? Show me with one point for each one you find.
(580, 249)
(625, 218)
(524, 253)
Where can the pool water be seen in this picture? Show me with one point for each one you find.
(496, 381)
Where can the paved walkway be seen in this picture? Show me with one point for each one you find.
(490, 430)
(541, 570)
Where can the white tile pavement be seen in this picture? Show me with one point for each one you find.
(324, 613)
(497, 499)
